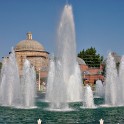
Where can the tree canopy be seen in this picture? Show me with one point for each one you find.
(91, 58)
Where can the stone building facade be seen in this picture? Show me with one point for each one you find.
(33, 51)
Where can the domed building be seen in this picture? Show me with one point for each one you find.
(33, 51)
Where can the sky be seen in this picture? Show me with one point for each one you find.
(98, 23)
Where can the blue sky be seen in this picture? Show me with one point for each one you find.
(98, 23)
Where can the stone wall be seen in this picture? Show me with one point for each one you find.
(38, 59)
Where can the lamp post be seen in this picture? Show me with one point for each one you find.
(39, 81)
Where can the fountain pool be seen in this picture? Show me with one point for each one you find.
(112, 115)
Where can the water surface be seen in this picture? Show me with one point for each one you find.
(78, 115)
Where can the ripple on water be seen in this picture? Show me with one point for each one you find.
(59, 110)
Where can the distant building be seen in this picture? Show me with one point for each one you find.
(33, 51)
(116, 57)
(90, 75)
(37, 55)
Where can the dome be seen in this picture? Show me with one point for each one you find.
(81, 61)
(29, 44)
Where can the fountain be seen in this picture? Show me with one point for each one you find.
(121, 82)
(10, 82)
(64, 79)
(64, 85)
(14, 92)
(114, 84)
(28, 85)
(99, 89)
(88, 101)
(111, 86)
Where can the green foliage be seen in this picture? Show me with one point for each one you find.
(91, 58)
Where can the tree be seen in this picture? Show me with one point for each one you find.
(91, 58)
